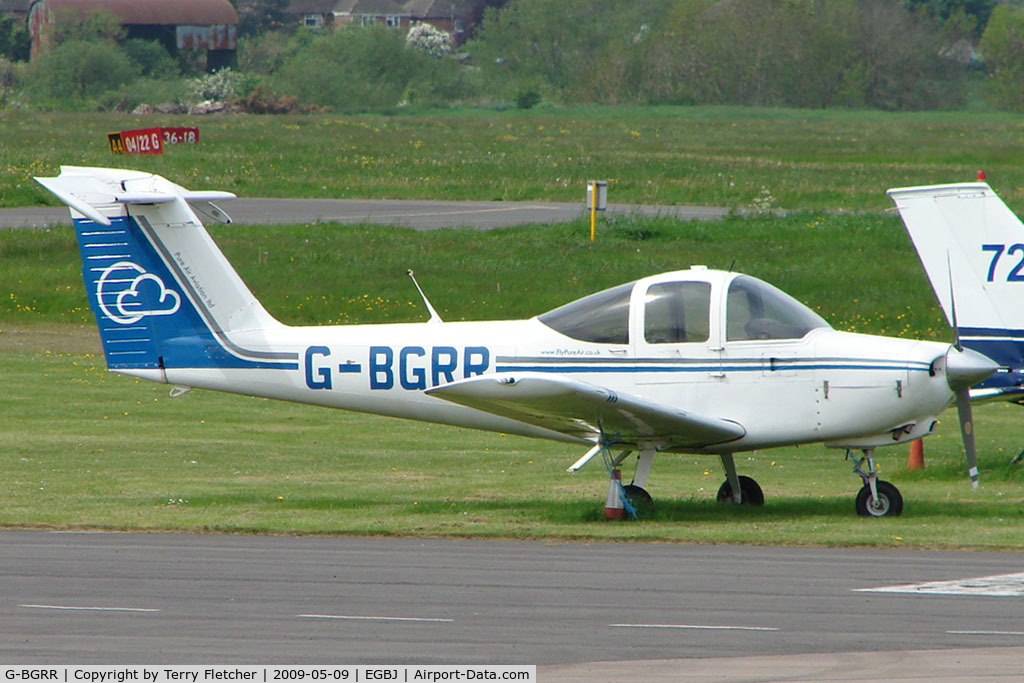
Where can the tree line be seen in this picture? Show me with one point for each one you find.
(882, 54)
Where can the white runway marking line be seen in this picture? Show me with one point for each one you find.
(696, 627)
(985, 633)
(349, 617)
(69, 608)
(1000, 585)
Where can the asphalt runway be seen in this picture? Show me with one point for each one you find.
(581, 611)
(421, 215)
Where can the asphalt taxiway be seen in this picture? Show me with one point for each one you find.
(420, 215)
(581, 611)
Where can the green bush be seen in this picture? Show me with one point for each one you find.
(151, 58)
(10, 79)
(354, 69)
(15, 41)
(80, 69)
(803, 53)
(1002, 47)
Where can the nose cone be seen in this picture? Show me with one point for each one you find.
(966, 367)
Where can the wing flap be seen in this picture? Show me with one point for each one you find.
(587, 411)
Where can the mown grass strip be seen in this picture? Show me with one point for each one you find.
(725, 156)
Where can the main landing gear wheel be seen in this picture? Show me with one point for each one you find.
(639, 499)
(888, 504)
(752, 493)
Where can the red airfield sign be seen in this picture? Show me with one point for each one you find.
(151, 140)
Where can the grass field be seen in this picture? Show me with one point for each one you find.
(83, 448)
(793, 159)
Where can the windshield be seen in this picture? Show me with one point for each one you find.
(756, 310)
(602, 317)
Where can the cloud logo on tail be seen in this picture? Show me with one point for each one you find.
(127, 293)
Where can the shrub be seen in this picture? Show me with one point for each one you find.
(10, 79)
(220, 85)
(527, 99)
(15, 42)
(428, 39)
(80, 69)
(353, 69)
(1002, 47)
(151, 58)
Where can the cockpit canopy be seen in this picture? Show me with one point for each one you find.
(682, 310)
(602, 317)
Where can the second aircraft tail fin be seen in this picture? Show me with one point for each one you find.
(972, 248)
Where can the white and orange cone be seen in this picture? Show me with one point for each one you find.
(613, 508)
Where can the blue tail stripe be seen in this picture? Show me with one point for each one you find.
(145, 319)
(1005, 347)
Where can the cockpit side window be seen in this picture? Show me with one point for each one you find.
(602, 318)
(756, 310)
(677, 312)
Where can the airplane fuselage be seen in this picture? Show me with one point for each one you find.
(829, 386)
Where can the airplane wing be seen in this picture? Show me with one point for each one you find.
(587, 411)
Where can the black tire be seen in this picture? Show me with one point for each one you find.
(889, 503)
(752, 493)
(639, 499)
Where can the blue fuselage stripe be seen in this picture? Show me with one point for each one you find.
(641, 367)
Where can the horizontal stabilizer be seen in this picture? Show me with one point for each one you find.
(96, 193)
(144, 198)
(63, 193)
(162, 197)
(586, 411)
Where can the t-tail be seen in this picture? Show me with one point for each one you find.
(972, 248)
(163, 294)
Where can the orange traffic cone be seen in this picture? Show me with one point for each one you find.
(916, 459)
(613, 508)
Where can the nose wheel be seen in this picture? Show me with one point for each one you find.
(887, 500)
(877, 498)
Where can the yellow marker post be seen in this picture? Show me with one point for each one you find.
(597, 200)
(593, 212)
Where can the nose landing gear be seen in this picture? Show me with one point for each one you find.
(876, 498)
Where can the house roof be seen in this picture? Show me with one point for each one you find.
(438, 9)
(416, 9)
(181, 12)
(318, 6)
(378, 7)
(14, 5)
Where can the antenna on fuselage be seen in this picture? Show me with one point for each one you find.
(434, 317)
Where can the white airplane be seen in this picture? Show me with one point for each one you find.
(972, 248)
(693, 361)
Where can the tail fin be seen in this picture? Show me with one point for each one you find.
(972, 248)
(163, 294)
